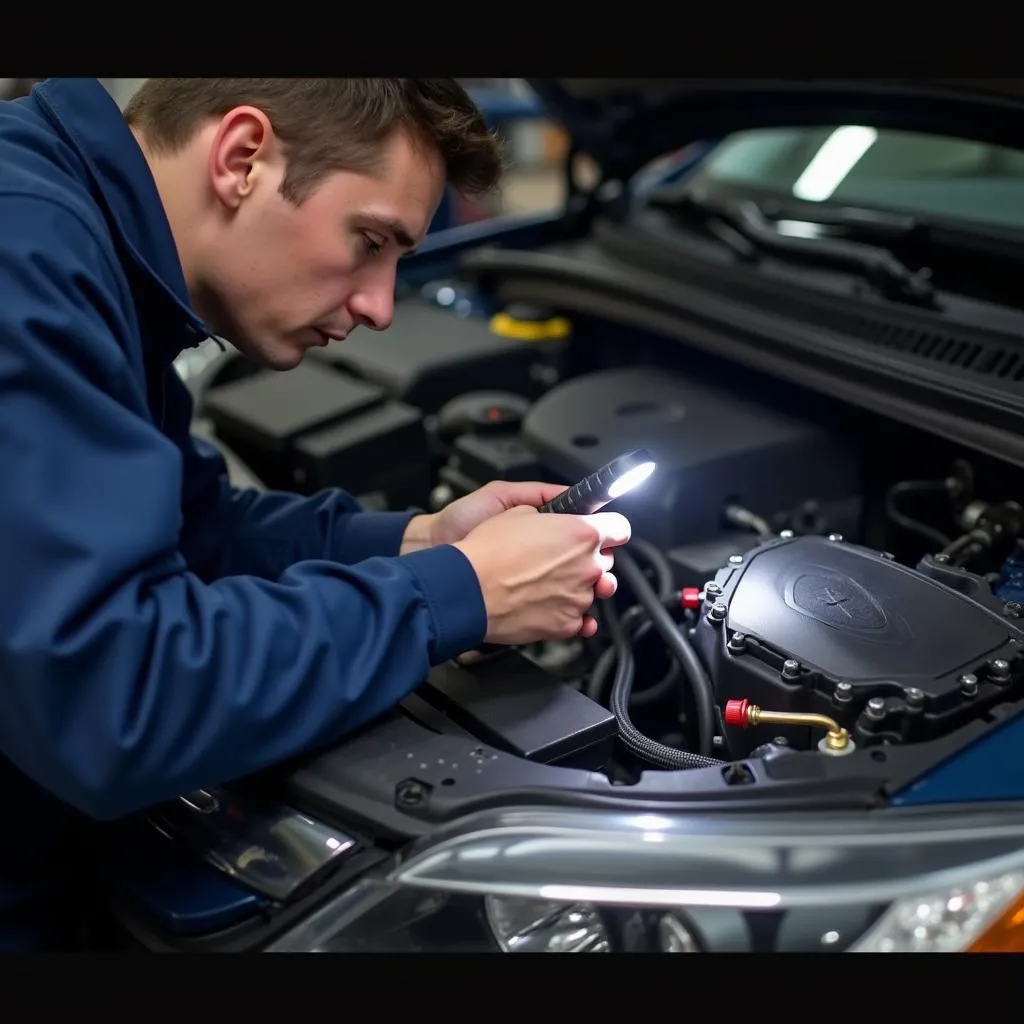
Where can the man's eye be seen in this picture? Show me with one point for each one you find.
(373, 247)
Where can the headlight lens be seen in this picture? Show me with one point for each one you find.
(674, 936)
(542, 926)
(593, 881)
(943, 921)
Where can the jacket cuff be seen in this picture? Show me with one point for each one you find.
(371, 534)
(452, 592)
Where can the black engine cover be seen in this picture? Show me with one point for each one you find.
(847, 615)
(712, 449)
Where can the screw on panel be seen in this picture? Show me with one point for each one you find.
(410, 793)
(969, 684)
(941, 558)
(737, 643)
(914, 697)
(735, 559)
(836, 537)
(786, 534)
(843, 693)
(876, 707)
(790, 669)
(711, 589)
(717, 613)
(999, 669)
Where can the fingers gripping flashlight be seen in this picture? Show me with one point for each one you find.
(593, 492)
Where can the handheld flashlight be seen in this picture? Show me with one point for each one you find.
(589, 495)
(609, 482)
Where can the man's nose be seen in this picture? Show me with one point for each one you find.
(374, 307)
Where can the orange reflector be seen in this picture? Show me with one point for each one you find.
(1005, 934)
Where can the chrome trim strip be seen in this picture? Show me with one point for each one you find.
(754, 861)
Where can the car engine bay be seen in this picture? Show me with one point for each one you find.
(802, 708)
(806, 583)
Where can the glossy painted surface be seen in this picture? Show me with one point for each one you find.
(992, 769)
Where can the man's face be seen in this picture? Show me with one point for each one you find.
(279, 279)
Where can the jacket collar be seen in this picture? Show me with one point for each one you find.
(92, 124)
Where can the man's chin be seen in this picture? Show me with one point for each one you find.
(279, 356)
(285, 359)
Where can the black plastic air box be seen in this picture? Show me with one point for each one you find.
(712, 449)
(384, 449)
(429, 356)
(511, 703)
(313, 427)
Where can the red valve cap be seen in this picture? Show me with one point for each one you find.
(690, 597)
(736, 713)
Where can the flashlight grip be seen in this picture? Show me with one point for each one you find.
(583, 498)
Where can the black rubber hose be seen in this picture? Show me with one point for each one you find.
(659, 563)
(678, 645)
(598, 681)
(966, 546)
(665, 685)
(649, 750)
(602, 670)
(905, 487)
(747, 520)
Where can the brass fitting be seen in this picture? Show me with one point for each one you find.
(742, 713)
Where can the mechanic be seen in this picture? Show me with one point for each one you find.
(161, 631)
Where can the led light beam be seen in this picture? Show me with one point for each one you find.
(593, 492)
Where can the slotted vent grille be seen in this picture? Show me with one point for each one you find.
(1003, 362)
(963, 348)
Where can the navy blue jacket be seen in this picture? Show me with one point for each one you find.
(159, 630)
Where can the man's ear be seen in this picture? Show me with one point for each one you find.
(242, 142)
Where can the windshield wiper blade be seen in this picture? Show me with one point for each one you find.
(879, 224)
(887, 274)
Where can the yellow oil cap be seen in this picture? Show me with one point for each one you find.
(529, 323)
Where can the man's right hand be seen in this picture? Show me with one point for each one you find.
(540, 573)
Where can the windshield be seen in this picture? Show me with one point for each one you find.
(855, 165)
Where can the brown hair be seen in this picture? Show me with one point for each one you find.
(330, 124)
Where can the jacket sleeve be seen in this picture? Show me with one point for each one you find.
(127, 680)
(229, 530)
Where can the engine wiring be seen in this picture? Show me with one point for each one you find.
(745, 519)
(896, 494)
(624, 630)
(659, 565)
(649, 750)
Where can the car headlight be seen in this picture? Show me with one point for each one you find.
(544, 926)
(595, 881)
(982, 916)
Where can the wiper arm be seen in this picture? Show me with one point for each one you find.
(889, 275)
(758, 234)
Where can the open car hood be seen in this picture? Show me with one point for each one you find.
(623, 123)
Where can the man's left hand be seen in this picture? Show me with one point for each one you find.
(456, 520)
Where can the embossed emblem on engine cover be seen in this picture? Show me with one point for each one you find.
(836, 600)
